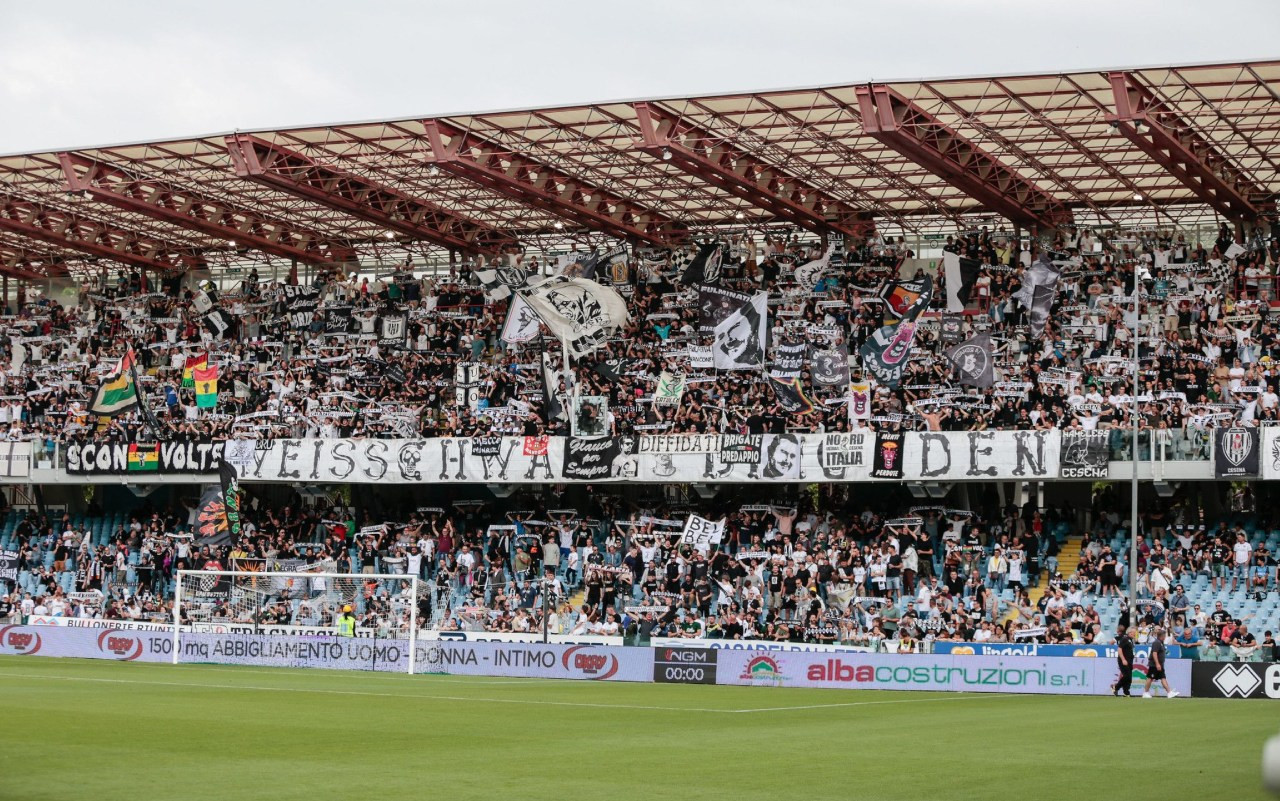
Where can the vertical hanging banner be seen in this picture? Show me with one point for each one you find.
(973, 361)
(1236, 453)
(467, 378)
(860, 400)
(1085, 454)
(887, 459)
(885, 353)
(830, 368)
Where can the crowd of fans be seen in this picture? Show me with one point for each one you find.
(798, 569)
(819, 570)
(1210, 350)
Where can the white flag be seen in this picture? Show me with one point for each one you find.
(578, 312)
(807, 274)
(702, 533)
(521, 324)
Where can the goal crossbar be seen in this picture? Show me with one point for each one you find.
(356, 582)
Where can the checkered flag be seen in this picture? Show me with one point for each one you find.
(1223, 275)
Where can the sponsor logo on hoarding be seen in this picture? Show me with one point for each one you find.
(124, 647)
(1237, 680)
(838, 670)
(25, 643)
(762, 668)
(591, 665)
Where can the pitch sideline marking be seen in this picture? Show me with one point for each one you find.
(526, 701)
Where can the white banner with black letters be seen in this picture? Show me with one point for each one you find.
(976, 455)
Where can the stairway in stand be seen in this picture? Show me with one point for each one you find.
(1068, 561)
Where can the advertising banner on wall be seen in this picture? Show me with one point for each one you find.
(993, 674)
(674, 663)
(1253, 680)
(1038, 649)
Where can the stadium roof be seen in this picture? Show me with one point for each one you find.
(1138, 147)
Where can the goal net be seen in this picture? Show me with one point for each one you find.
(296, 619)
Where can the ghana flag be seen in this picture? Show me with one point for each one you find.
(194, 362)
(206, 387)
(119, 393)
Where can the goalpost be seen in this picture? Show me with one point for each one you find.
(293, 617)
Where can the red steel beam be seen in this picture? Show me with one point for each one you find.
(280, 168)
(1160, 131)
(896, 121)
(17, 264)
(74, 232)
(481, 161)
(110, 184)
(715, 159)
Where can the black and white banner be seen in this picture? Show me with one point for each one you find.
(591, 459)
(219, 322)
(393, 329)
(739, 341)
(1236, 453)
(500, 282)
(973, 455)
(521, 324)
(300, 304)
(973, 361)
(830, 368)
(702, 533)
(1085, 454)
(961, 274)
(1252, 680)
(337, 320)
(115, 458)
(8, 566)
(579, 312)
(675, 458)
(467, 379)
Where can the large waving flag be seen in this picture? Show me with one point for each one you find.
(119, 393)
(885, 353)
(579, 312)
(1039, 290)
(207, 387)
(196, 361)
(705, 267)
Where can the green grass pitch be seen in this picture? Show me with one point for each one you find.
(85, 729)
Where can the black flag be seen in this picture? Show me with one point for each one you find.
(552, 407)
(973, 362)
(705, 267)
(961, 273)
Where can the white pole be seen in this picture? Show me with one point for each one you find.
(177, 614)
(413, 621)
